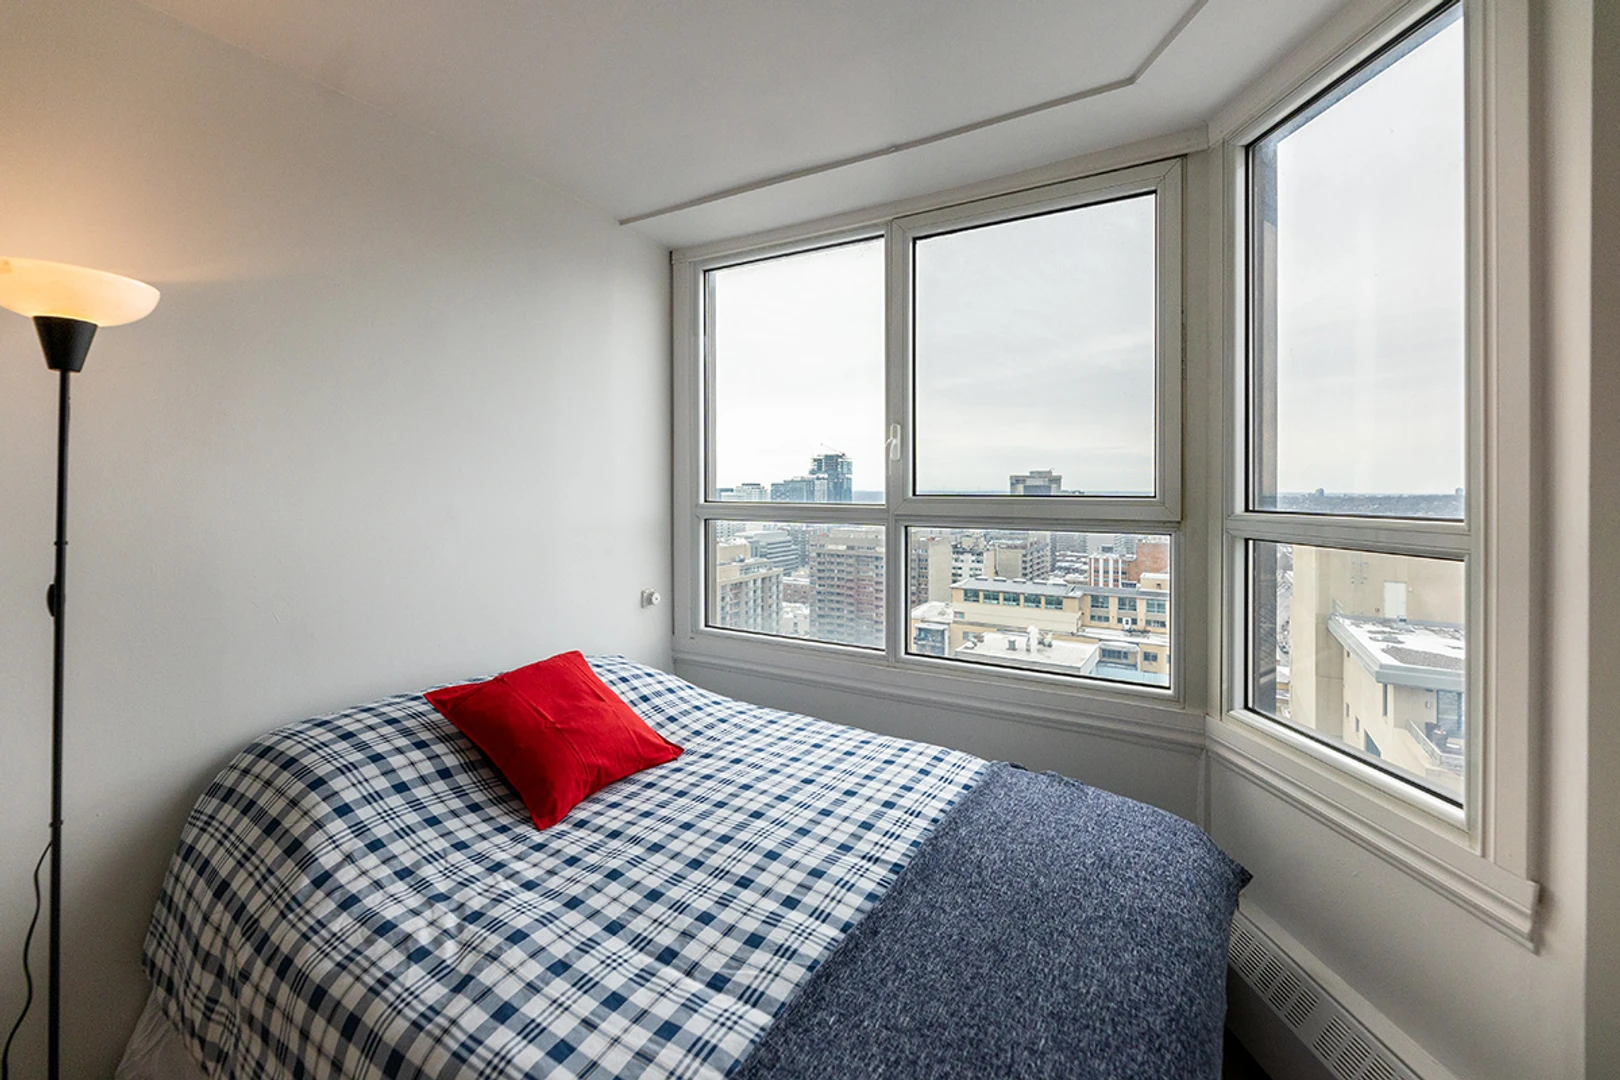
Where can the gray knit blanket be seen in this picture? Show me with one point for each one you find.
(1044, 929)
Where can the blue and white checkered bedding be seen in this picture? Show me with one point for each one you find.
(363, 895)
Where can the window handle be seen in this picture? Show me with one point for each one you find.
(894, 442)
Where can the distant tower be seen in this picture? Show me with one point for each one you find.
(1035, 482)
(836, 469)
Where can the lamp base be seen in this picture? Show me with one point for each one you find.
(66, 341)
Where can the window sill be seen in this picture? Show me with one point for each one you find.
(1424, 846)
(1047, 702)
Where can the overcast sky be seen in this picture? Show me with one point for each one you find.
(1034, 350)
(1035, 338)
(799, 365)
(1371, 285)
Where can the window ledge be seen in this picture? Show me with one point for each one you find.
(1498, 897)
(1163, 724)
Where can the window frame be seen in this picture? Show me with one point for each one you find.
(1482, 855)
(1156, 709)
(1164, 506)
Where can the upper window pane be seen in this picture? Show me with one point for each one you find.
(1034, 355)
(797, 368)
(1359, 263)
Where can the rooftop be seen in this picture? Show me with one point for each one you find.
(1045, 588)
(1426, 655)
(1012, 649)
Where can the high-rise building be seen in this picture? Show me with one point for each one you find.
(748, 590)
(846, 586)
(1026, 555)
(796, 589)
(775, 545)
(1035, 482)
(801, 489)
(929, 570)
(839, 473)
(831, 479)
(749, 492)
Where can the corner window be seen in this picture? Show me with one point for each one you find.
(967, 431)
(1355, 533)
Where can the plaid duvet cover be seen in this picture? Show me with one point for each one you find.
(362, 895)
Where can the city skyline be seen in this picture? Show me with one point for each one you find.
(1093, 604)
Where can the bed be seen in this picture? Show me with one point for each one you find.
(362, 895)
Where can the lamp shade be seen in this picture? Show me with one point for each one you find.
(34, 287)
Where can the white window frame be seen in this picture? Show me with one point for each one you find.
(1481, 856)
(1149, 713)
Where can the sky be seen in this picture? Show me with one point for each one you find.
(1035, 338)
(1034, 350)
(1371, 284)
(798, 356)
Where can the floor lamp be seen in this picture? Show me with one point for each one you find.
(67, 304)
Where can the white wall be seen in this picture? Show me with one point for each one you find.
(402, 416)
(1138, 767)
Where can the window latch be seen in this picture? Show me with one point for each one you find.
(893, 443)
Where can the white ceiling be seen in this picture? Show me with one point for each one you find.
(639, 105)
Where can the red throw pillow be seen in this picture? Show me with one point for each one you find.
(555, 731)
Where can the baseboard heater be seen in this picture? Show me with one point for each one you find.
(1343, 1045)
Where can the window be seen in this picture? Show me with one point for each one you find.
(1354, 529)
(1022, 328)
(1358, 255)
(1327, 646)
(1050, 630)
(796, 373)
(841, 566)
(967, 426)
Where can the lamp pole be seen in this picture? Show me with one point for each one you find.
(66, 343)
(67, 304)
(56, 602)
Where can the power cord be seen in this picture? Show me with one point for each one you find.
(28, 976)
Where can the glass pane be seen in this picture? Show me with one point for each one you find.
(1367, 652)
(1094, 604)
(822, 582)
(1359, 399)
(797, 364)
(1035, 354)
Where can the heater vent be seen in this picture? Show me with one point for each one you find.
(1378, 1069)
(1339, 1041)
(1300, 1009)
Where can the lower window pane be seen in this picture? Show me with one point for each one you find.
(1093, 604)
(1367, 652)
(790, 579)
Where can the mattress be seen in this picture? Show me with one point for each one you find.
(362, 895)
